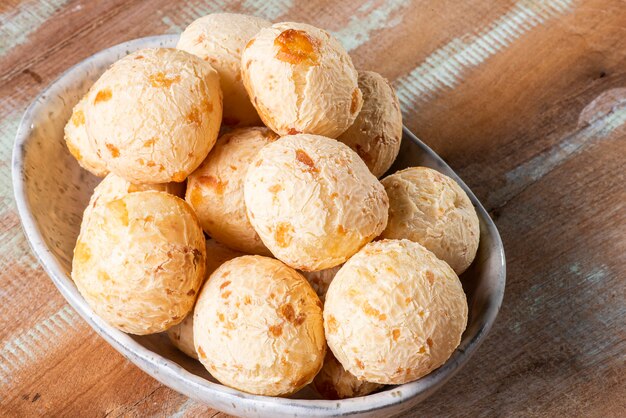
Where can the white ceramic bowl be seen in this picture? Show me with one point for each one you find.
(51, 191)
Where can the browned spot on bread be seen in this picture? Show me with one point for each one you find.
(200, 38)
(226, 283)
(250, 42)
(422, 350)
(429, 342)
(355, 101)
(201, 352)
(341, 230)
(287, 312)
(150, 142)
(150, 163)
(179, 176)
(213, 183)
(276, 330)
(220, 316)
(103, 96)
(283, 234)
(296, 47)
(78, 118)
(430, 277)
(139, 57)
(115, 152)
(247, 300)
(275, 188)
(195, 197)
(206, 106)
(191, 292)
(293, 131)
(226, 294)
(73, 150)
(300, 319)
(194, 116)
(359, 364)
(161, 80)
(305, 159)
(371, 311)
(396, 334)
(332, 324)
(118, 207)
(82, 253)
(169, 291)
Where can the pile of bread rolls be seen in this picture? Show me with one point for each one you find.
(265, 138)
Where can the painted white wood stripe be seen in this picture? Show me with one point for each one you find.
(270, 9)
(534, 169)
(17, 24)
(444, 68)
(30, 345)
(370, 17)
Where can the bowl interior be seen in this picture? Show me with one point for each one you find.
(52, 191)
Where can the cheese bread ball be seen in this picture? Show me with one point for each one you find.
(313, 201)
(215, 189)
(80, 146)
(428, 207)
(377, 131)
(219, 38)
(181, 335)
(155, 114)
(394, 312)
(334, 382)
(301, 80)
(320, 280)
(258, 327)
(139, 261)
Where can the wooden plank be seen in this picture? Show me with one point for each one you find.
(504, 91)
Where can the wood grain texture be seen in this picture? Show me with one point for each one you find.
(525, 99)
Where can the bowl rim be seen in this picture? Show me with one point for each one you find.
(175, 376)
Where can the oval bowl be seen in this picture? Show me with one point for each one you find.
(52, 191)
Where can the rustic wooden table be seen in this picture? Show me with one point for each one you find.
(525, 99)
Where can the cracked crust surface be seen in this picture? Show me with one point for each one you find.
(258, 327)
(301, 80)
(79, 144)
(430, 208)
(139, 260)
(219, 39)
(377, 131)
(394, 312)
(215, 189)
(313, 201)
(155, 114)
